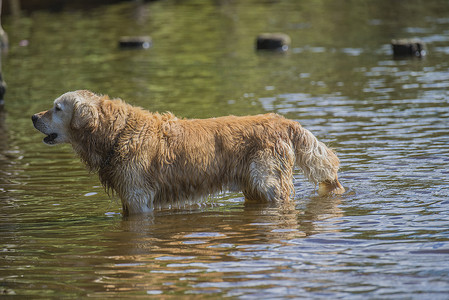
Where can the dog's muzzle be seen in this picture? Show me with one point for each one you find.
(51, 137)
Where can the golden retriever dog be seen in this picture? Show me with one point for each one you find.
(154, 160)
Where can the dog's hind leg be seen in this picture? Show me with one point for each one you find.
(270, 177)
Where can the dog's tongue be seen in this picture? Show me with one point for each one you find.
(49, 139)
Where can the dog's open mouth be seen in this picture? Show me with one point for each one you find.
(50, 139)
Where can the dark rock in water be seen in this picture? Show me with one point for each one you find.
(273, 42)
(405, 47)
(135, 42)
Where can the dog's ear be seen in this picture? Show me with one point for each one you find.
(85, 116)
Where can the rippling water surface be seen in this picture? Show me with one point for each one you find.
(61, 236)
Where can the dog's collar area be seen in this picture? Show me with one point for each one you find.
(50, 139)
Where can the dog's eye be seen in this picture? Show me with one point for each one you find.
(58, 108)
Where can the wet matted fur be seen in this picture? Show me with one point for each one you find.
(154, 160)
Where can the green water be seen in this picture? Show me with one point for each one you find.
(61, 236)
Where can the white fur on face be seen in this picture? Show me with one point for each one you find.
(56, 121)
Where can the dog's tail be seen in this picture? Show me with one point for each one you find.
(319, 163)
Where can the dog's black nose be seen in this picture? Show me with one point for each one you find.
(34, 118)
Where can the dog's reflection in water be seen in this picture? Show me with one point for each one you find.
(204, 230)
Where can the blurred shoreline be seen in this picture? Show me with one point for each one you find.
(14, 7)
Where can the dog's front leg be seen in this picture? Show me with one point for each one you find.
(137, 201)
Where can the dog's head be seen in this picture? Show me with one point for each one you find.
(72, 111)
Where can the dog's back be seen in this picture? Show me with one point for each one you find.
(201, 157)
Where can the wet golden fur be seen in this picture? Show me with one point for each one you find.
(156, 160)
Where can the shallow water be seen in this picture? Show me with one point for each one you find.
(387, 237)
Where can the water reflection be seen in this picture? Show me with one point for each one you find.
(8, 171)
(148, 252)
(3, 143)
(277, 220)
(195, 245)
